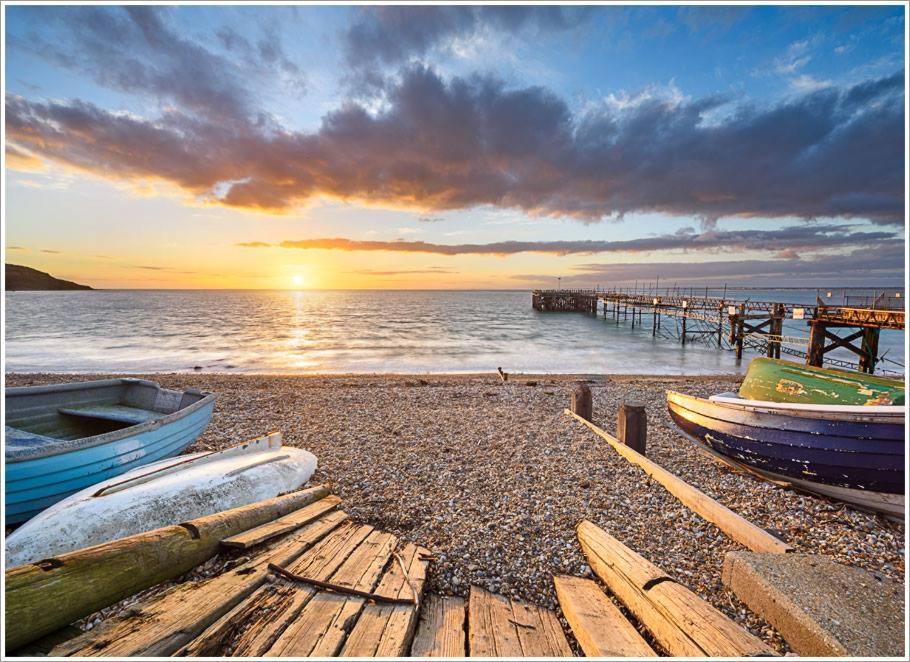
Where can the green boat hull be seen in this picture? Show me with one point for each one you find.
(782, 381)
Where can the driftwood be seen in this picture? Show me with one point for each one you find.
(44, 596)
(737, 527)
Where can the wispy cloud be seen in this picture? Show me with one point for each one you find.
(135, 49)
(851, 268)
(792, 240)
(391, 35)
(404, 272)
(805, 83)
(795, 58)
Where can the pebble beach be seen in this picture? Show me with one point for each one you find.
(493, 477)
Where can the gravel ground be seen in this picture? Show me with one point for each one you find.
(493, 477)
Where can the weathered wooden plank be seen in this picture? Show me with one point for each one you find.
(495, 634)
(737, 527)
(598, 625)
(99, 576)
(253, 631)
(164, 623)
(282, 525)
(683, 623)
(441, 630)
(322, 625)
(539, 631)
(386, 630)
(481, 638)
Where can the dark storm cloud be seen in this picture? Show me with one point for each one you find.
(789, 242)
(854, 267)
(134, 49)
(390, 35)
(456, 144)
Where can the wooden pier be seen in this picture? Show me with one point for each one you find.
(737, 324)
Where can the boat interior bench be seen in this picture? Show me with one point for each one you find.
(115, 413)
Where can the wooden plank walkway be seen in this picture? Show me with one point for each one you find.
(492, 626)
(312, 583)
(346, 589)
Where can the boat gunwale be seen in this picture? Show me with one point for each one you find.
(891, 414)
(16, 456)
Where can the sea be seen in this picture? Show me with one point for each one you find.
(359, 331)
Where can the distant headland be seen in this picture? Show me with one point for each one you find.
(26, 278)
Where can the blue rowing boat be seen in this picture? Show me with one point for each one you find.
(61, 438)
(850, 453)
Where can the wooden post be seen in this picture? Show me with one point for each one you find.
(869, 356)
(633, 318)
(740, 322)
(816, 355)
(720, 324)
(684, 327)
(654, 322)
(582, 402)
(632, 426)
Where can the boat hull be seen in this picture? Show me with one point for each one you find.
(35, 481)
(858, 461)
(161, 494)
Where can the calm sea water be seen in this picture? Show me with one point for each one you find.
(344, 332)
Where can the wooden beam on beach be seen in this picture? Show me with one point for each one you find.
(598, 624)
(500, 627)
(440, 632)
(679, 620)
(161, 624)
(251, 627)
(47, 595)
(282, 525)
(737, 527)
(387, 630)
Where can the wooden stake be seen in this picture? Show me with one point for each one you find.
(583, 402)
(632, 426)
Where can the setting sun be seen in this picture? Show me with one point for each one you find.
(297, 280)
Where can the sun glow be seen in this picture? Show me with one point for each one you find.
(297, 280)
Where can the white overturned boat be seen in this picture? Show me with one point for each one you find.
(161, 494)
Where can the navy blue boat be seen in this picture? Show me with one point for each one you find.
(850, 453)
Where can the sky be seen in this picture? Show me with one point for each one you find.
(501, 147)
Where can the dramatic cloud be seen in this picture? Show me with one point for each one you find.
(390, 35)
(473, 141)
(133, 49)
(786, 242)
(854, 268)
